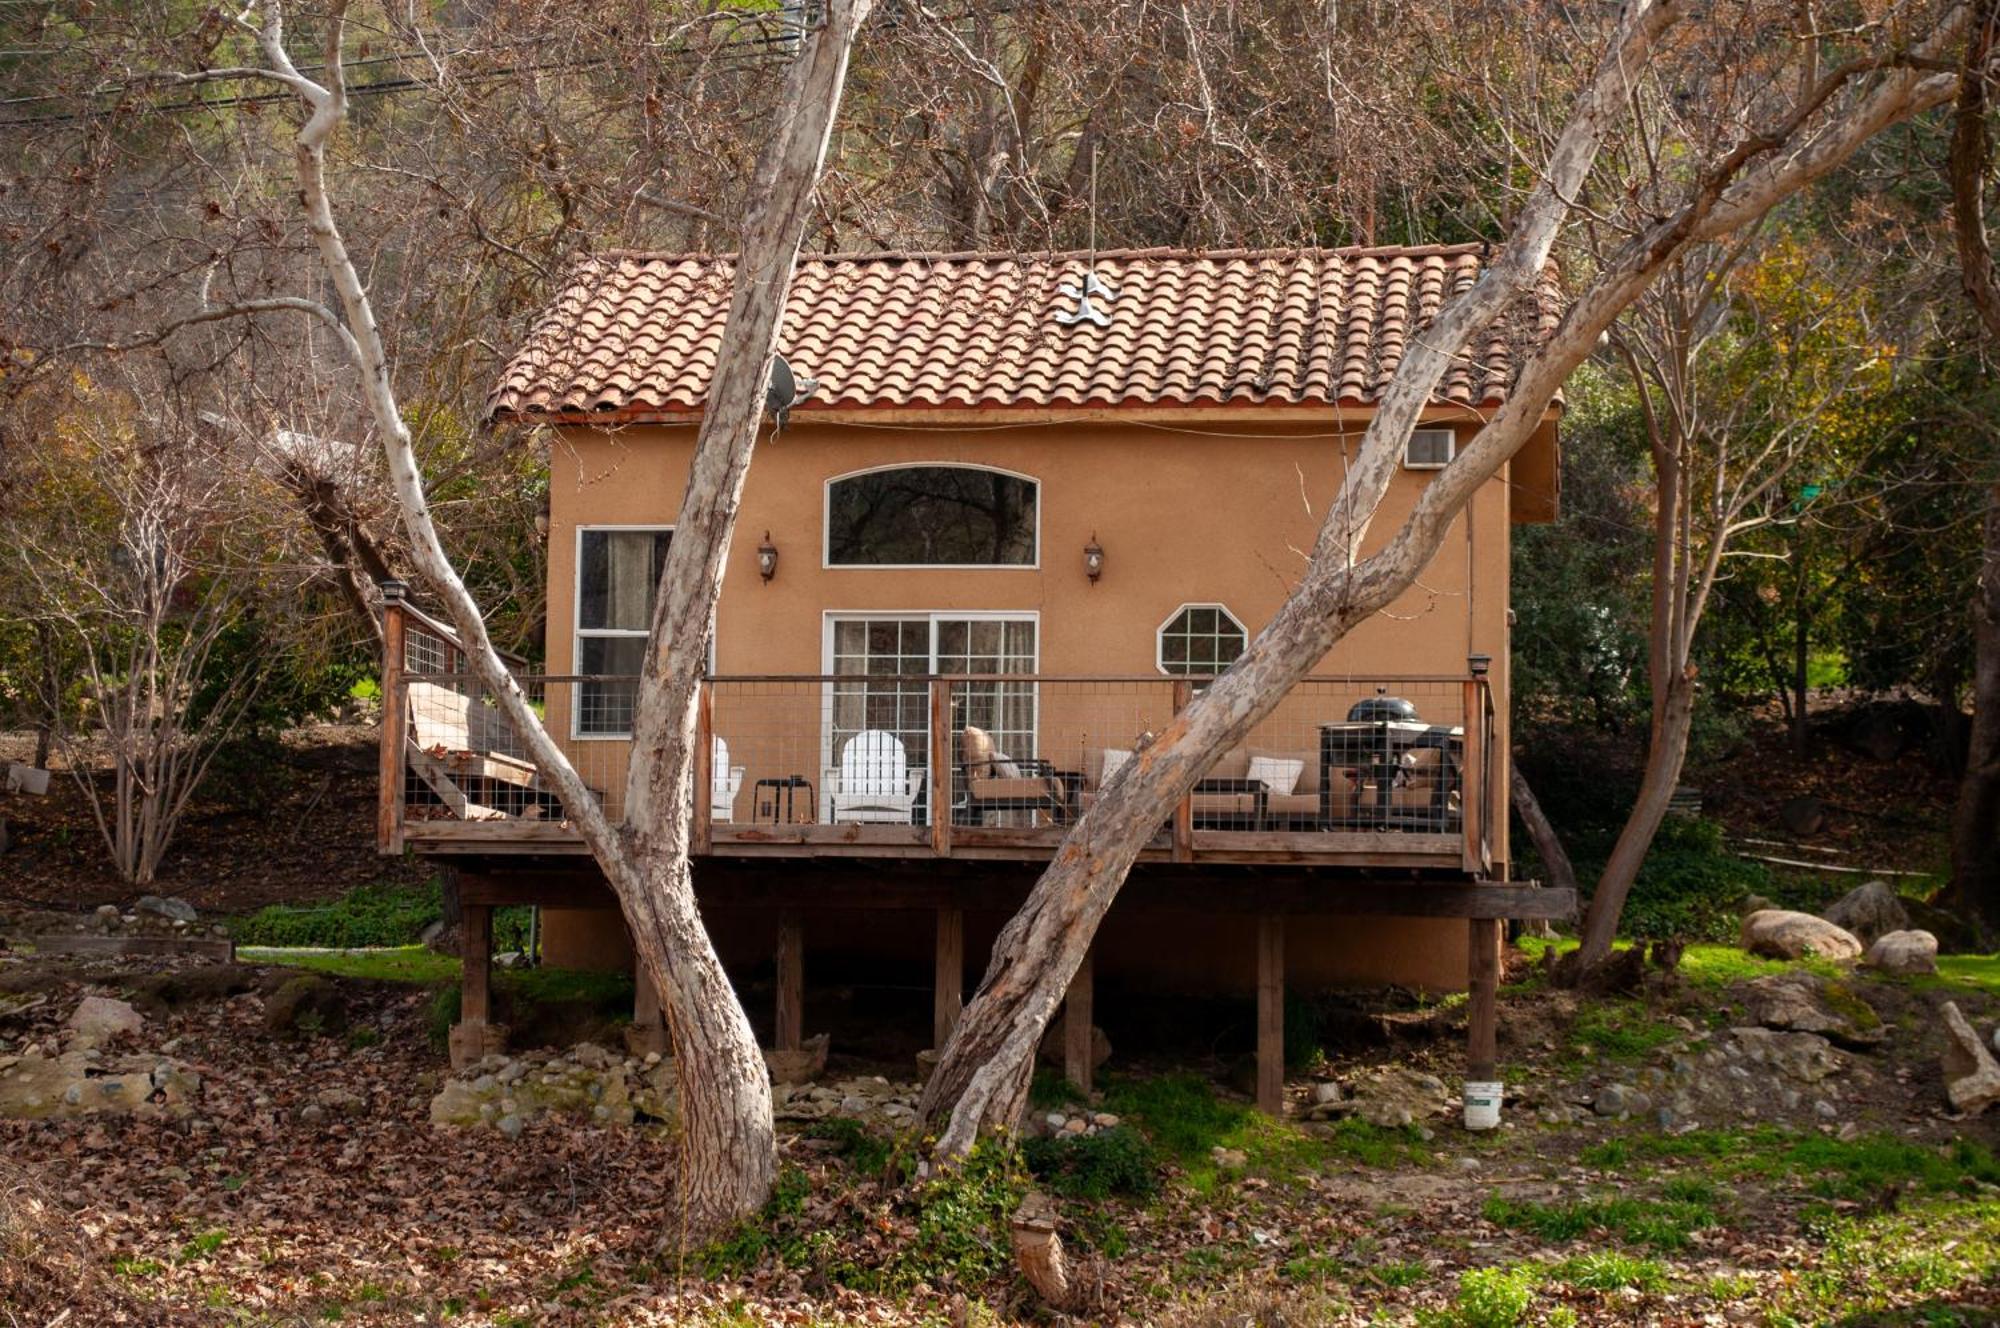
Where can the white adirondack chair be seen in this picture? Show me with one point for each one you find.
(874, 782)
(725, 782)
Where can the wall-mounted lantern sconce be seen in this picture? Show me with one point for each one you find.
(1479, 664)
(767, 558)
(1093, 559)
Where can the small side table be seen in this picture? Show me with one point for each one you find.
(789, 785)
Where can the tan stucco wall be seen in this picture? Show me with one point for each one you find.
(1196, 512)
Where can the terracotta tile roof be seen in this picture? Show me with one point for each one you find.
(634, 334)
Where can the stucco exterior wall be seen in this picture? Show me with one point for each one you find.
(1195, 512)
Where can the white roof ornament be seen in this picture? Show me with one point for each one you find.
(1086, 311)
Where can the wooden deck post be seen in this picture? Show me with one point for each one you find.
(791, 1016)
(940, 770)
(703, 836)
(473, 1036)
(1183, 835)
(395, 722)
(1271, 1014)
(1078, 1045)
(948, 997)
(1472, 792)
(1482, 1028)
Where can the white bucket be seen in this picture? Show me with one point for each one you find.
(1482, 1106)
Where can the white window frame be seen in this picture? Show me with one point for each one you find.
(1160, 634)
(933, 616)
(827, 564)
(578, 631)
(1450, 451)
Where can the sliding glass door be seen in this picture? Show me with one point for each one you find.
(869, 653)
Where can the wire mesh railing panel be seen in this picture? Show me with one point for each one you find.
(778, 757)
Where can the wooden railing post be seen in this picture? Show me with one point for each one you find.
(941, 766)
(395, 722)
(1473, 791)
(1184, 810)
(704, 766)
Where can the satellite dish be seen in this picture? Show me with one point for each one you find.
(785, 390)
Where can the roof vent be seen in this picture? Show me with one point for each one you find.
(1085, 311)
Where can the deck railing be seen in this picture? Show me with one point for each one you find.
(1384, 770)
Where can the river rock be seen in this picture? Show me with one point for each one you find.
(1394, 1096)
(1620, 1100)
(173, 910)
(1805, 1003)
(1971, 1076)
(1903, 952)
(1805, 1057)
(1778, 933)
(99, 1018)
(607, 1090)
(1868, 911)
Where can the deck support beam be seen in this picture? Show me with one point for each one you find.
(1482, 1029)
(1079, 1047)
(948, 995)
(791, 957)
(474, 1035)
(1271, 1014)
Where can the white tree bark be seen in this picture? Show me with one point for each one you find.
(729, 1147)
(982, 1080)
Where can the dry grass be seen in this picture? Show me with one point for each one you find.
(47, 1266)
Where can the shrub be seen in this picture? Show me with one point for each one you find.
(1491, 1298)
(1691, 884)
(367, 916)
(1095, 1166)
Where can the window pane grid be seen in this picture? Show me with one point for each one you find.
(1201, 639)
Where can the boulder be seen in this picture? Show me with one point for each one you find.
(37, 1087)
(802, 1066)
(100, 1018)
(1971, 1076)
(1903, 952)
(307, 1004)
(173, 910)
(1954, 934)
(1394, 1096)
(1051, 1050)
(1805, 1003)
(1777, 933)
(1620, 1100)
(1869, 911)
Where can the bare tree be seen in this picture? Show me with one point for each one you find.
(729, 1155)
(1975, 846)
(138, 546)
(1769, 152)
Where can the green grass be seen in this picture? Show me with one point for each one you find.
(1621, 1030)
(1855, 1169)
(1977, 972)
(1185, 1121)
(1909, 1264)
(403, 963)
(1660, 1224)
(1609, 1270)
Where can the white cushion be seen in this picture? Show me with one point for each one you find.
(1279, 776)
(1004, 767)
(1113, 759)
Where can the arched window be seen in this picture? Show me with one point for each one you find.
(932, 516)
(1199, 640)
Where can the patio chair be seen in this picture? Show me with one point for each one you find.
(993, 782)
(874, 782)
(725, 782)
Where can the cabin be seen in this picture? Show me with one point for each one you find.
(1012, 512)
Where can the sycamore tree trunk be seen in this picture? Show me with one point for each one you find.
(1975, 828)
(1666, 752)
(1541, 831)
(982, 1077)
(728, 1157)
(1975, 841)
(731, 1153)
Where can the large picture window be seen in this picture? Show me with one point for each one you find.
(1200, 640)
(617, 572)
(931, 516)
